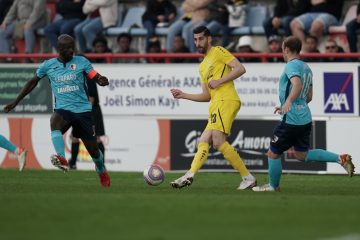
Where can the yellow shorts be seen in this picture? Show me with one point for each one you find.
(222, 115)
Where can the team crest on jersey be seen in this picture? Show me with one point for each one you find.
(72, 66)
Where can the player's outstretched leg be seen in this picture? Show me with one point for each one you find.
(199, 159)
(230, 154)
(320, 155)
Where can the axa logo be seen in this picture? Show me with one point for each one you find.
(338, 92)
(337, 101)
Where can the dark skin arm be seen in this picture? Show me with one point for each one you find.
(101, 80)
(29, 86)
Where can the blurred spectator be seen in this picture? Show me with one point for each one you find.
(218, 20)
(159, 13)
(124, 42)
(86, 31)
(21, 21)
(331, 46)
(179, 47)
(244, 46)
(237, 12)
(322, 14)
(284, 12)
(4, 8)
(275, 47)
(311, 46)
(154, 47)
(100, 45)
(195, 13)
(351, 30)
(71, 13)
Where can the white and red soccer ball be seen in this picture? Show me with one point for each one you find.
(154, 175)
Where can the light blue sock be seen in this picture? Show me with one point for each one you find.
(4, 143)
(58, 142)
(275, 169)
(320, 155)
(99, 163)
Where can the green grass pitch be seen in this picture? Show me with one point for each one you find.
(39, 204)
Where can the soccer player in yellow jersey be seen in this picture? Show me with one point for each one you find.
(218, 70)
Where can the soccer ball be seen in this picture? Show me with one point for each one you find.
(154, 175)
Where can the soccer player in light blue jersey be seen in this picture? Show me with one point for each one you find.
(295, 92)
(67, 74)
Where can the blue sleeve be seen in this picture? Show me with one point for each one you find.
(87, 65)
(291, 70)
(42, 70)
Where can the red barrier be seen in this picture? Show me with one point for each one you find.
(109, 56)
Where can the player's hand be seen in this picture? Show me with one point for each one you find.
(278, 110)
(103, 81)
(177, 93)
(214, 84)
(287, 107)
(10, 107)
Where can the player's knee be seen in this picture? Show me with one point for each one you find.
(317, 29)
(272, 155)
(295, 25)
(216, 145)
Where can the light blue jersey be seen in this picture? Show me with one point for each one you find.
(68, 82)
(299, 113)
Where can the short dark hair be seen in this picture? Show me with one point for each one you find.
(100, 39)
(293, 43)
(124, 35)
(312, 37)
(202, 29)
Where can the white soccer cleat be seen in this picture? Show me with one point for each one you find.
(21, 158)
(266, 188)
(183, 181)
(247, 182)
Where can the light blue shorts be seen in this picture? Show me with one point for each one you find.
(307, 19)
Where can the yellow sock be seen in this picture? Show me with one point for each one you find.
(200, 157)
(233, 157)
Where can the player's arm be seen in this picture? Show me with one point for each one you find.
(237, 70)
(201, 97)
(309, 94)
(29, 86)
(294, 93)
(101, 80)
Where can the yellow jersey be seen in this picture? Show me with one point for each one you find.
(213, 67)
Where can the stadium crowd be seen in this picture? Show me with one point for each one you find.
(25, 22)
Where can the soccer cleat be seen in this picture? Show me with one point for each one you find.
(21, 157)
(104, 179)
(59, 162)
(265, 188)
(182, 182)
(347, 164)
(247, 183)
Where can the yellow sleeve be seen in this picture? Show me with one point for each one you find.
(223, 54)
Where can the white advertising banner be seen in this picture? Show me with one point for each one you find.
(130, 144)
(144, 89)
